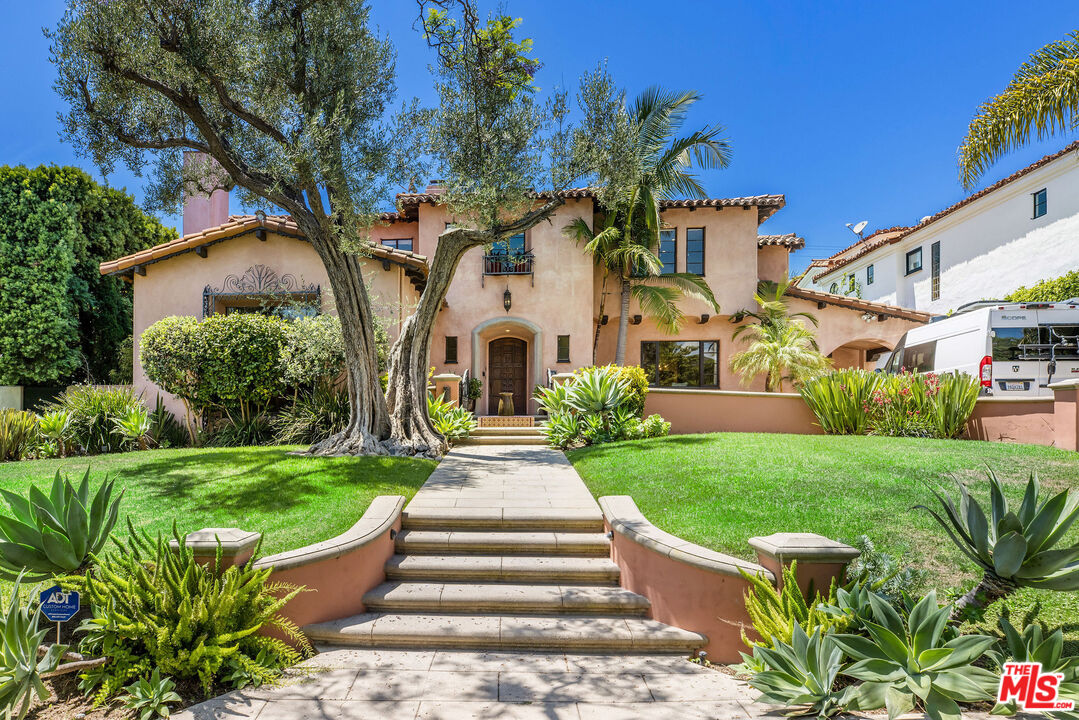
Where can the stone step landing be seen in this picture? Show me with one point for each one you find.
(549, 570)
(502, 542)
(489, 632)
(502, 439)
(553, 519)
(511, 598)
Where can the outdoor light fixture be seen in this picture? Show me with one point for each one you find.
(260, 215)
(603, 320)
(704, 318)
(507, 299)
(636, 319)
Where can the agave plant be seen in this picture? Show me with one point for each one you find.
(907, 662)
(1014, 549)
(56, 426)
(801, 673)
(56, 534)
(449, 419)
(133, 427)
(20, 667)
(150, 697)
(1033, 645)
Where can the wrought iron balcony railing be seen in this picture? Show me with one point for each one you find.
(504, 264)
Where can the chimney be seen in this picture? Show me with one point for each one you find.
(435, 187)
(202, 210)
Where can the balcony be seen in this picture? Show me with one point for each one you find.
(504, 264)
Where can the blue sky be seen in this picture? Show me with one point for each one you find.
(853, 110)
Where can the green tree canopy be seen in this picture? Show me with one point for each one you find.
(62, 320)
(1056, 289)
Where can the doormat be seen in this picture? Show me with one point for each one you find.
(524, 421)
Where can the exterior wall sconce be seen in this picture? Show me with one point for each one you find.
(507, 299)
(603, 320)
(636, 320)
(704, 318)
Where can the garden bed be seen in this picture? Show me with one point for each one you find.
(718, 490)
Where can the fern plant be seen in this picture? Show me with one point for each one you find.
(156, 607)
(775, 614)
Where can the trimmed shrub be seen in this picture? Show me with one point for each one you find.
(313, 351)
(241, 361)
(171, 355)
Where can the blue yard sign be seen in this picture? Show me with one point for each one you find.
(59, 605)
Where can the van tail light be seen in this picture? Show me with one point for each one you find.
(985, 371)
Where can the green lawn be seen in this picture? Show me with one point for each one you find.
(292, 500)
(719, 490)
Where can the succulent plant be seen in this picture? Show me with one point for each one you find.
(907, 662)
(150, 697)
(1013, 548)
(55, 534)
(801, 673)
(1036, 645)
(20, 666)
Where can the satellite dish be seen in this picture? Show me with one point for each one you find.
(860, 227)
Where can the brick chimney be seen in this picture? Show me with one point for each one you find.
(203, 211)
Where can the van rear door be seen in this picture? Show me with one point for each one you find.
(1059, 331)
(1018, 366)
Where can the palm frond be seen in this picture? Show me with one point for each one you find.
(661, 304)
(688, 284)
(1042, 98)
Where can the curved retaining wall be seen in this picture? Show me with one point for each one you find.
(698, 589)
(337, 572)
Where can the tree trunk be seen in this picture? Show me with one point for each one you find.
(411, 432)
(368, 423)
(623, 325)
(988, 590)
(602, 306)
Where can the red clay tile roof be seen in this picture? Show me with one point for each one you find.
(237, 226)
(790, 240)
(766, 205)
(874, 308)
(864, 247)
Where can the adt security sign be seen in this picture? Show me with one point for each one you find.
(59, 605)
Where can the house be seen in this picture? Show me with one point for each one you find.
(516, 313)
(1017, 231)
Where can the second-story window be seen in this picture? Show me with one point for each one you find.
(869, 275)
(508, 257)
(914, 261)
(695, 251)
(934, 269)
(668, 243)
(513, 245)
(1040, 203)
(399, 243)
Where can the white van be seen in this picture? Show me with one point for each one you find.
(1017, 349)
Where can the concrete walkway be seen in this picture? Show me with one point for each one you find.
(497, 606)
(454, 685)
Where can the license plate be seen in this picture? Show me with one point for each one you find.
(1015, 386)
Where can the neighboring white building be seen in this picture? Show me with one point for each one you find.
(1020, 230)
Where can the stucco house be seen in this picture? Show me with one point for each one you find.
(515, 314)
(1013, 233)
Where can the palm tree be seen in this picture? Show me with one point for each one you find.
(781, 347)
(1042, 98)
(626, 245)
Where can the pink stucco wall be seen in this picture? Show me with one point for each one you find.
(704, 411)
(174, 287)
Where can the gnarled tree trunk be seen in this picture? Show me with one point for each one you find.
(411, 432)
(368, 423)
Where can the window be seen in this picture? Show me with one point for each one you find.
(850, 283)
(451, 349)
(1060, 342)
(934, 268)
(869, 275)
(834, 288)
(668, 244)
(919, 358)
(513, 245)
(563, 348)
(679, 363)
(1040, 203)
(914, 261)
(695, 251)
(399, 243)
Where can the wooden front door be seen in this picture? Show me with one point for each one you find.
(506, 373)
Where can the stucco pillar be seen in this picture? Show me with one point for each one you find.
(819, 559)
(11, 397)
(237, 546)
(1066, 414)
(448, 386)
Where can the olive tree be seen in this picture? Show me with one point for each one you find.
(290, 98)
(493, 140)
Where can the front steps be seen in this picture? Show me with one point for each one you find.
(495, 435)
(504, 578)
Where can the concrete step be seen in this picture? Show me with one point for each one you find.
(502, 439)
(504, 598)
(473, 542)
(582, 519)
(505, 632)
(524, 431)
(495, 568)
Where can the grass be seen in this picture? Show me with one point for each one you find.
(292, 500)
(719, 490)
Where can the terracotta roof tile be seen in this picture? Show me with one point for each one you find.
(866, 248)
(851, 303)
(239, 225)
(790, 240)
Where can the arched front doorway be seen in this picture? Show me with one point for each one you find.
(507, 361)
